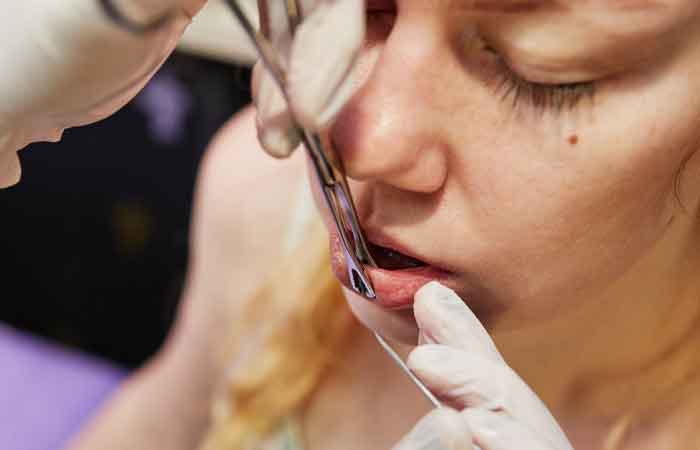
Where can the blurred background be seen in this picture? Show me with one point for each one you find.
(98, 238)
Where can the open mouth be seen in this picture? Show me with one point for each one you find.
(390, 259)
(398, 276)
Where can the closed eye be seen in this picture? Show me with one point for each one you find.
(556, 97)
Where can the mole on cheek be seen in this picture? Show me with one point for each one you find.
(573, 139)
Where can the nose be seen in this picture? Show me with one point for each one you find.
(391, 131)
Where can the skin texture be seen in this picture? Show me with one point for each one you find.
(563, 230)
(566, 230)
(505, 185)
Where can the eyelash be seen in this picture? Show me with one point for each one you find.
(540, 96)
(544, 97)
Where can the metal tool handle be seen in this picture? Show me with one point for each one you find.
(335, 188)
(336, 194)
(400, 362)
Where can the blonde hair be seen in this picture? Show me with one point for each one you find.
(273, 378)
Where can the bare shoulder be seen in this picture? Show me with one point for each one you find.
(243, 201)
(235, 159)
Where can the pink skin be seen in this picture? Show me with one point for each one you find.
(534, 214)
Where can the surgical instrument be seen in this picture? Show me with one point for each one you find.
(333, 183)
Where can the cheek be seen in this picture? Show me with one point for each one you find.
(560, 208)
(553, 217)
(571, 231)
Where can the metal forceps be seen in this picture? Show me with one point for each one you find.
(333, 184)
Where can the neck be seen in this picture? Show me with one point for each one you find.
(625, 350)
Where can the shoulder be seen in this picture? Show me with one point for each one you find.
(234, 158)
(243, 201)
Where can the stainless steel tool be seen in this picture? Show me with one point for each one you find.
(336, 193)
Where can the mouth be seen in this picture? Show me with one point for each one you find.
(400, 273)
(391, 259)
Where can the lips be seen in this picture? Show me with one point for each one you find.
(401, 274)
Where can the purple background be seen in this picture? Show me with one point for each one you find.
(47, 392)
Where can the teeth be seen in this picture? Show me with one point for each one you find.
(389, 259)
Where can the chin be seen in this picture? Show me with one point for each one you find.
(395, 325)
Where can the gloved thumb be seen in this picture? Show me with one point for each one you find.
(466, 370)
(319, 79)
(441, 429)
(444, 318)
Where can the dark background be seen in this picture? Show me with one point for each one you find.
(94, 238)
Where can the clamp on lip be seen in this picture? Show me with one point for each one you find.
(336, 193)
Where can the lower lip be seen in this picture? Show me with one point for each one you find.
(395, 289)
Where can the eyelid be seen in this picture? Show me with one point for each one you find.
(538, 72)
(543, 97)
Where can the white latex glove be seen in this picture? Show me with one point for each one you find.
(459, 363)
(64, 64)
(318, 60)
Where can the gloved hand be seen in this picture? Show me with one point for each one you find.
(487, 403)
(64, 64)
(318, 59)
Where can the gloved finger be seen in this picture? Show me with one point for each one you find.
(276, 131)
(325, 48)
(275, 25)
(444, 318)
(464, 379)
(460, 379)
(497, 431)
(441, 429)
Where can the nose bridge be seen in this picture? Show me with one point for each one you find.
(389, 130)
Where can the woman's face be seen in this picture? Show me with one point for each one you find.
(527, 151)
